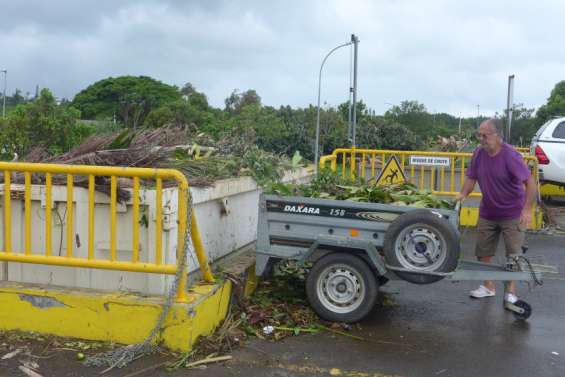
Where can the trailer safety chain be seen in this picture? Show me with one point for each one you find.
(122, 356)
(537, 281)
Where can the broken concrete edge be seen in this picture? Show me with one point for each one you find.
(113, 317)
(238, 266)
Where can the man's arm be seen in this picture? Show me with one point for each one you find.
(526, 215)
(467, 188)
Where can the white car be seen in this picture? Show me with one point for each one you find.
(548, 145)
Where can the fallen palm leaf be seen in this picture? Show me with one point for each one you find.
(9, 355)
(29, 372)
(208, 361)
(341, 333)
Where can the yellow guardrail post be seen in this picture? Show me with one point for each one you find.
(135, 225)
(352, 164)
(7, 212)
(27, 216)
(91, 216)
(70, 233)
(159, 221)
(113, 199)
(324, 159)
(48, 221)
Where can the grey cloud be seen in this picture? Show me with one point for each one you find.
(449, 55)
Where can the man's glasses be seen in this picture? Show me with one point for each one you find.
(481, 135)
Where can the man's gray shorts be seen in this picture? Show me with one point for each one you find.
(488, 233)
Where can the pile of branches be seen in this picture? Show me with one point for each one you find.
(330, 185)
(202, 159)
(452, 143)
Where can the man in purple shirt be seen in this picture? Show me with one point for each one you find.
(509, 193)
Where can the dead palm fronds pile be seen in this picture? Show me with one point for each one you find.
(201, 159)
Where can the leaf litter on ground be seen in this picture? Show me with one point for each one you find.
(279, 304)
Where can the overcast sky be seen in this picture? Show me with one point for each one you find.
(449, 55)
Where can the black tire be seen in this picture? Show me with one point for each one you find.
(420, 240)
(527, 310)
(341, 288)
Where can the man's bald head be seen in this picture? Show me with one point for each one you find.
(490, 135)
(494, 125)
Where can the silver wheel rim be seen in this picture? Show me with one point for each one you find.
(340, 288)
(420, 247)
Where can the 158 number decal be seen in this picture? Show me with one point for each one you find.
(337, 212)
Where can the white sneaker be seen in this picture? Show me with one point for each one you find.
(509, 299)
(481, 292)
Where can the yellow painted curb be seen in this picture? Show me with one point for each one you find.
(116, 317)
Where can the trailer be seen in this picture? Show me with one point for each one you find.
(354, 247)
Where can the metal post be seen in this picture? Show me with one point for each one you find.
(349, 103)
(478, 115)
(355, 42)
(349, 116)
(4, 95)
(316, 148)
(509, 106)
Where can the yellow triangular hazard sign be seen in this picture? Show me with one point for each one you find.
(391, 173)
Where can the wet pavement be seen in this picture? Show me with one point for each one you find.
(431, 330)
(426, 330)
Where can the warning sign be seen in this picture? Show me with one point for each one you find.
(391, 173)
(430, 161)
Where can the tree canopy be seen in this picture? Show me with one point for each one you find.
(140, 101)
(128, 98)
(41, 122)
(555, 105)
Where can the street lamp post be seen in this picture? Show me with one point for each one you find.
(355, 42)
(5, 71)
(316, 149)
(509, 107)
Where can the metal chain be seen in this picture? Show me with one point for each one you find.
(530, 269)
(122, 356)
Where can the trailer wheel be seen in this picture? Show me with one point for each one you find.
(341, 288)
(421, 241)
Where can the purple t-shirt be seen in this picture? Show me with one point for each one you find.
(501, 179)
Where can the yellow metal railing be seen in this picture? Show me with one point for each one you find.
(440, 180)
(27, 255)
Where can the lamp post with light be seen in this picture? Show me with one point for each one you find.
(354, 41)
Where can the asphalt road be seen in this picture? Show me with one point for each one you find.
(430, 330)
